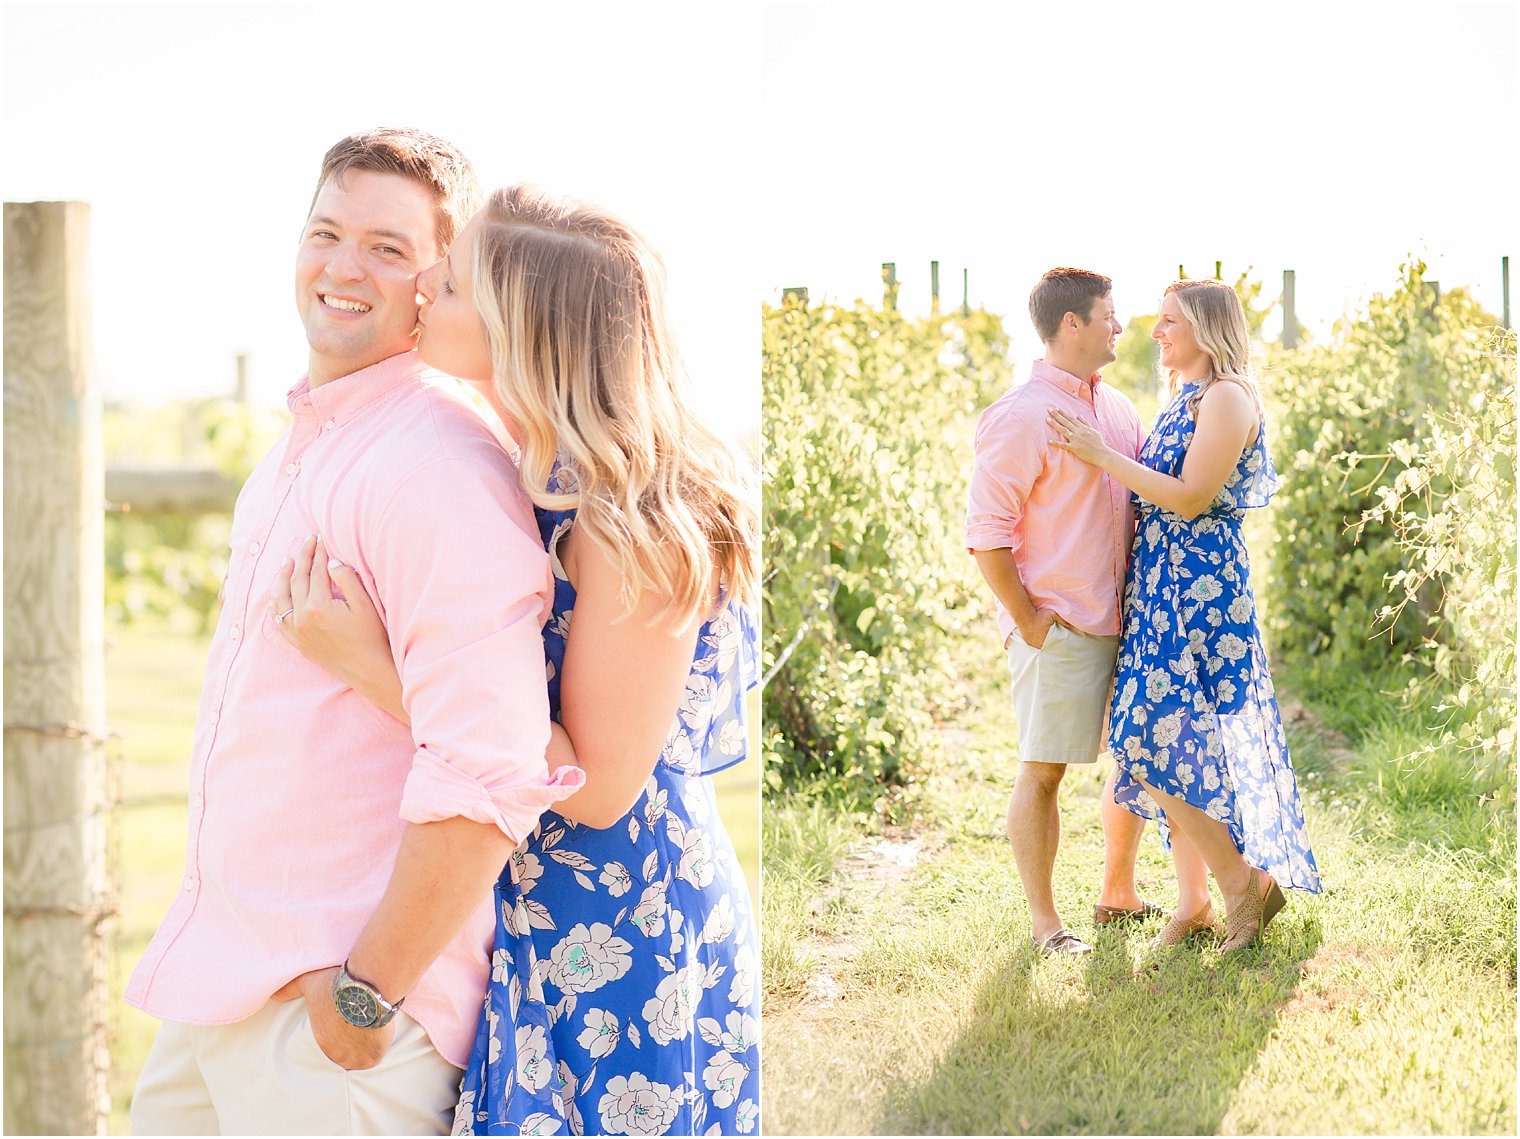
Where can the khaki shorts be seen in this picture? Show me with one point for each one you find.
(267, 1076)
(1060, 694)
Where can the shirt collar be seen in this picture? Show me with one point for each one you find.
(1064, 379)
(347, 396)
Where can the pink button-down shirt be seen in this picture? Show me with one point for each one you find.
(1068, 524)
(300, 789)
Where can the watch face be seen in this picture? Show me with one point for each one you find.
(357, 1005)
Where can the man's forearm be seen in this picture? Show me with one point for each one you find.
(443, 871)
(1002, 574)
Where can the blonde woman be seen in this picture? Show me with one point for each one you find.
(1194, 724)
(624, 986)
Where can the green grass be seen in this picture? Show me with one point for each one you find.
(905, 1001)
(153, 683)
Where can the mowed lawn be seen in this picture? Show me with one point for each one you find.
(902, 998)
(153, 682)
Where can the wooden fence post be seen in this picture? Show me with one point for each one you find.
(1504, 275)
(1290, 313)
(55, 763)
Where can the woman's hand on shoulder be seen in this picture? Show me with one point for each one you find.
(343, 634)
(1077, 437)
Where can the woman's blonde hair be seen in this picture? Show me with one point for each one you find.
(1218, 319)
(586, 366)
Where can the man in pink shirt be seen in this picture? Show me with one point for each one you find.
(1051, 534)
(325, 963)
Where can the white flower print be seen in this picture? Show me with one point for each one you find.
(616, 878)
(731, 738)
(724, 1077)
(633, 1105)
(586, 959)
(696, 801)
(723, 637)
(493, 1021)
(696, 706)
(649, 915)
(533, 1067)
(696, 865)
(678, 750)
(1240, 609)
(568, 1084)
(560, 625)
(1168, 728)
(743, 1032)
(1231, 647)
(1226, 692)
(668, 1013)
(1127, 695)
(1157, 685)
(719, 925)
(526, 869)
(601, 1034)
(748, 1114)
(677, 938)
(741, 985)
(501, 965)
(464, 1114)
(1206, 588)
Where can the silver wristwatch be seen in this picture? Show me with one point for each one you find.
(360, 1003)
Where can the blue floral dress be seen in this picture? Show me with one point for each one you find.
(1194, 713)
(624, 995)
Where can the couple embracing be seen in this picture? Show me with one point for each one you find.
(452, 858)
(1139, 635)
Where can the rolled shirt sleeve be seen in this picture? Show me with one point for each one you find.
(1009, 456)
(466, 596)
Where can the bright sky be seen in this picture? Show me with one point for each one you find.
(762, 145)
(195, 131)
(1330, 138)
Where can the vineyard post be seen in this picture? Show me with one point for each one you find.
(934, 288)
(889, 285)
(1218, 270)
(1504, 273)
(1290, 313)
(966, 288)
(241, 392)
(55, 762)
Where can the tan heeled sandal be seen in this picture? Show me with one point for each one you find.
(1177, 930)
(1247, 922)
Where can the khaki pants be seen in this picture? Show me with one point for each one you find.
(267, 1076)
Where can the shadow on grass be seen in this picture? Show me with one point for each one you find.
(1096, 1047)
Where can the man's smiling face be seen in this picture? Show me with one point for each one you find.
(368, 236)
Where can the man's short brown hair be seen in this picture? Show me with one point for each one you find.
(437, 165)
(1061, 291)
